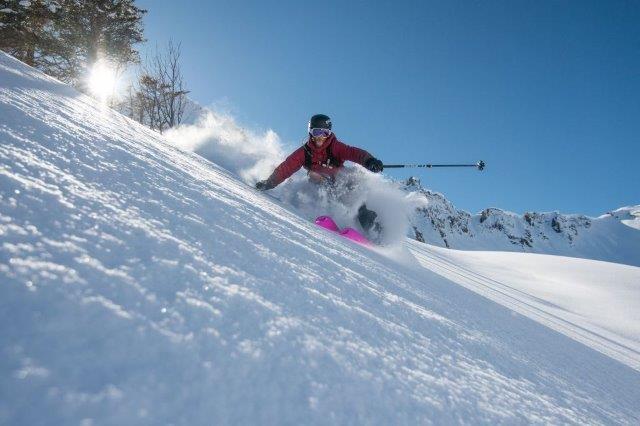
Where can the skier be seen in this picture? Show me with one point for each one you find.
(323, 156)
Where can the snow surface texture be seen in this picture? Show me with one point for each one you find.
(597, 303)
(140, 284)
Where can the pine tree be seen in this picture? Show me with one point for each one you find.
(26, 29)
(65, 37)
(98, 30)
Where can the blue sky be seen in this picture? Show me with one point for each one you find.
(547, 93)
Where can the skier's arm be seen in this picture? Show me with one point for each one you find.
(288, 167)
(357, 155)
(350, 153)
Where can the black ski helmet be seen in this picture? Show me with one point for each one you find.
(320, 121)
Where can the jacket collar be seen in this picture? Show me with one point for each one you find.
(311, 144)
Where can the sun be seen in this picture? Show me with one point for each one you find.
(102, 81)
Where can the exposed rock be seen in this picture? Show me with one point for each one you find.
(441, 223)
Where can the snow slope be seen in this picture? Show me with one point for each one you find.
(597, 303)
(140, 284)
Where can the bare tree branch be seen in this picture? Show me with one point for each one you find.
(161, 94)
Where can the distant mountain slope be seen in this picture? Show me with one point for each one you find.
(613, 237)
(140, 284)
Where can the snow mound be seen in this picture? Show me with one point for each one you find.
(140, 284)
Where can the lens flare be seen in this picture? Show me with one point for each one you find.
(102, 81)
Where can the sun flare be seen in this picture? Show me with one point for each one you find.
(102, 81)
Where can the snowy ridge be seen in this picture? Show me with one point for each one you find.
(140, 284)
(612, 237)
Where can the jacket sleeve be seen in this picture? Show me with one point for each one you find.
(288, 167)
(345, 152)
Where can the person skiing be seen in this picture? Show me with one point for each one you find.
(322, 155)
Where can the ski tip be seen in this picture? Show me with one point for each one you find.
(328, 223)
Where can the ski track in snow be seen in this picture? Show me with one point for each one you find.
(141, 284)
(593, 302)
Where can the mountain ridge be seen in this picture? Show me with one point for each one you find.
(606, 237)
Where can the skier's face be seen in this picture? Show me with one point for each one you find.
(319, 140)
(319, 135)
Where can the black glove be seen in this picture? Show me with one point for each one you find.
(264, 185)
(374, 165)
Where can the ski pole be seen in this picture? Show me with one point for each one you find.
(479, 165)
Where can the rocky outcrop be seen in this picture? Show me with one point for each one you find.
(441, 223)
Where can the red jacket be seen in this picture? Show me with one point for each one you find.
(319, 158)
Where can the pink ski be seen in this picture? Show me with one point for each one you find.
(328, 223)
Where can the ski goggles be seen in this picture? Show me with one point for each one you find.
(320, 133)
